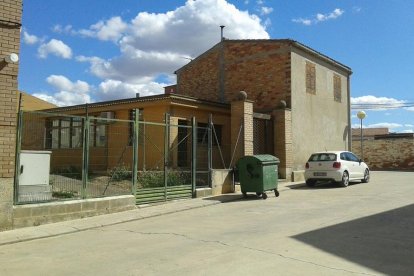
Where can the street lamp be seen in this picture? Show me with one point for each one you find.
(361, 115)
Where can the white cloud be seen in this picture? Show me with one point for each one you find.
(68, 92)
(408, 131)
(303, 21)
(63, 83)
(387, 125)
(266, 10)
(408, 125)
(320, 17)
(356, 9)
(153, 44)
(113, 89)
(68, 29)
(111, 29)
(333, 15)
(377, 103)
(30, 39)
(55, 47)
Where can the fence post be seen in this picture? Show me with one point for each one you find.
(85, 156)
(166, 147)
(210, 147)
(193, 155)
(135, 152)
(17, 156)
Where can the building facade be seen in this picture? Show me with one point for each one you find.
(306, 93)
(10, 23)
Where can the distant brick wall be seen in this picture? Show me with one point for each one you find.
(10, 15)
(260, 68)
(387, 154)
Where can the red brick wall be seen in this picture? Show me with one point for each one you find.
(200, 78)
(10, 10)
(387, 154)
(261, 68)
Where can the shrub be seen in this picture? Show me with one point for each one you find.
(120, 173)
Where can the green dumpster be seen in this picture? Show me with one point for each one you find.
(258, 174)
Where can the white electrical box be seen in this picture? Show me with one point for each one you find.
(34, 167)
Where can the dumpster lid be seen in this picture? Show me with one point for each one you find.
(263, 158)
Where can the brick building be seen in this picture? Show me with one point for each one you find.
(305, 93)
(10, 23)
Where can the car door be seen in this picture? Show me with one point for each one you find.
(357, 169)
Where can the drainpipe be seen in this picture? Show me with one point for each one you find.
(349, 112)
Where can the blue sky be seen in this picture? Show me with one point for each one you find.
(74, 52)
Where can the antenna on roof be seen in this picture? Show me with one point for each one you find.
(221, 31)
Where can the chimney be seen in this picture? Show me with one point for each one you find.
(222, 37)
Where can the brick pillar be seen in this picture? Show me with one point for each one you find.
(241, 122)
(283, 150)
(10, 13)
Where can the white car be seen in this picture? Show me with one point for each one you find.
(338, 166)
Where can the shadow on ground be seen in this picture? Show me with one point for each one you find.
(319, 185)
(238, 197)
(383, 242)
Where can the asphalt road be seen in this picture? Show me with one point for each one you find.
(364, 229)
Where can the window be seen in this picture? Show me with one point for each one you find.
(310, 78)
(97, 133)
(351, 157)
(64, 133)
(323, 157)
(337, 88)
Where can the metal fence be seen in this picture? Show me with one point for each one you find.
(64, 157)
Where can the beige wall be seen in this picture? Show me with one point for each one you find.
(318, 121)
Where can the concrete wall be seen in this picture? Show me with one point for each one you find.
(36, 214)
(318, 121)
(11, 11)
(387, 154)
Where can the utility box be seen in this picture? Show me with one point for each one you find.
(34, 176)
(258, 174)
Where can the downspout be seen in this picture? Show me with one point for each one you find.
(349, 112)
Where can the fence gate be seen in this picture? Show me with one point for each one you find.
(167, 161)
(262, 134)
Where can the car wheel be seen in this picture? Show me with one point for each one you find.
(310, 183)
(345, 179)
(366, 176)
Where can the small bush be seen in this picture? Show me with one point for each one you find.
(120, 173)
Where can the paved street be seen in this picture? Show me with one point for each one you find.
(365, 229)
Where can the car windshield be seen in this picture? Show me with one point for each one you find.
(323, 157)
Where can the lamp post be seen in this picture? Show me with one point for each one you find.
(361, 115)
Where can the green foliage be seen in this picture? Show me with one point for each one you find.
(153, 179)
(120, 173)
(64, 194)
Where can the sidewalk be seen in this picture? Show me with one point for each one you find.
(141, 212)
